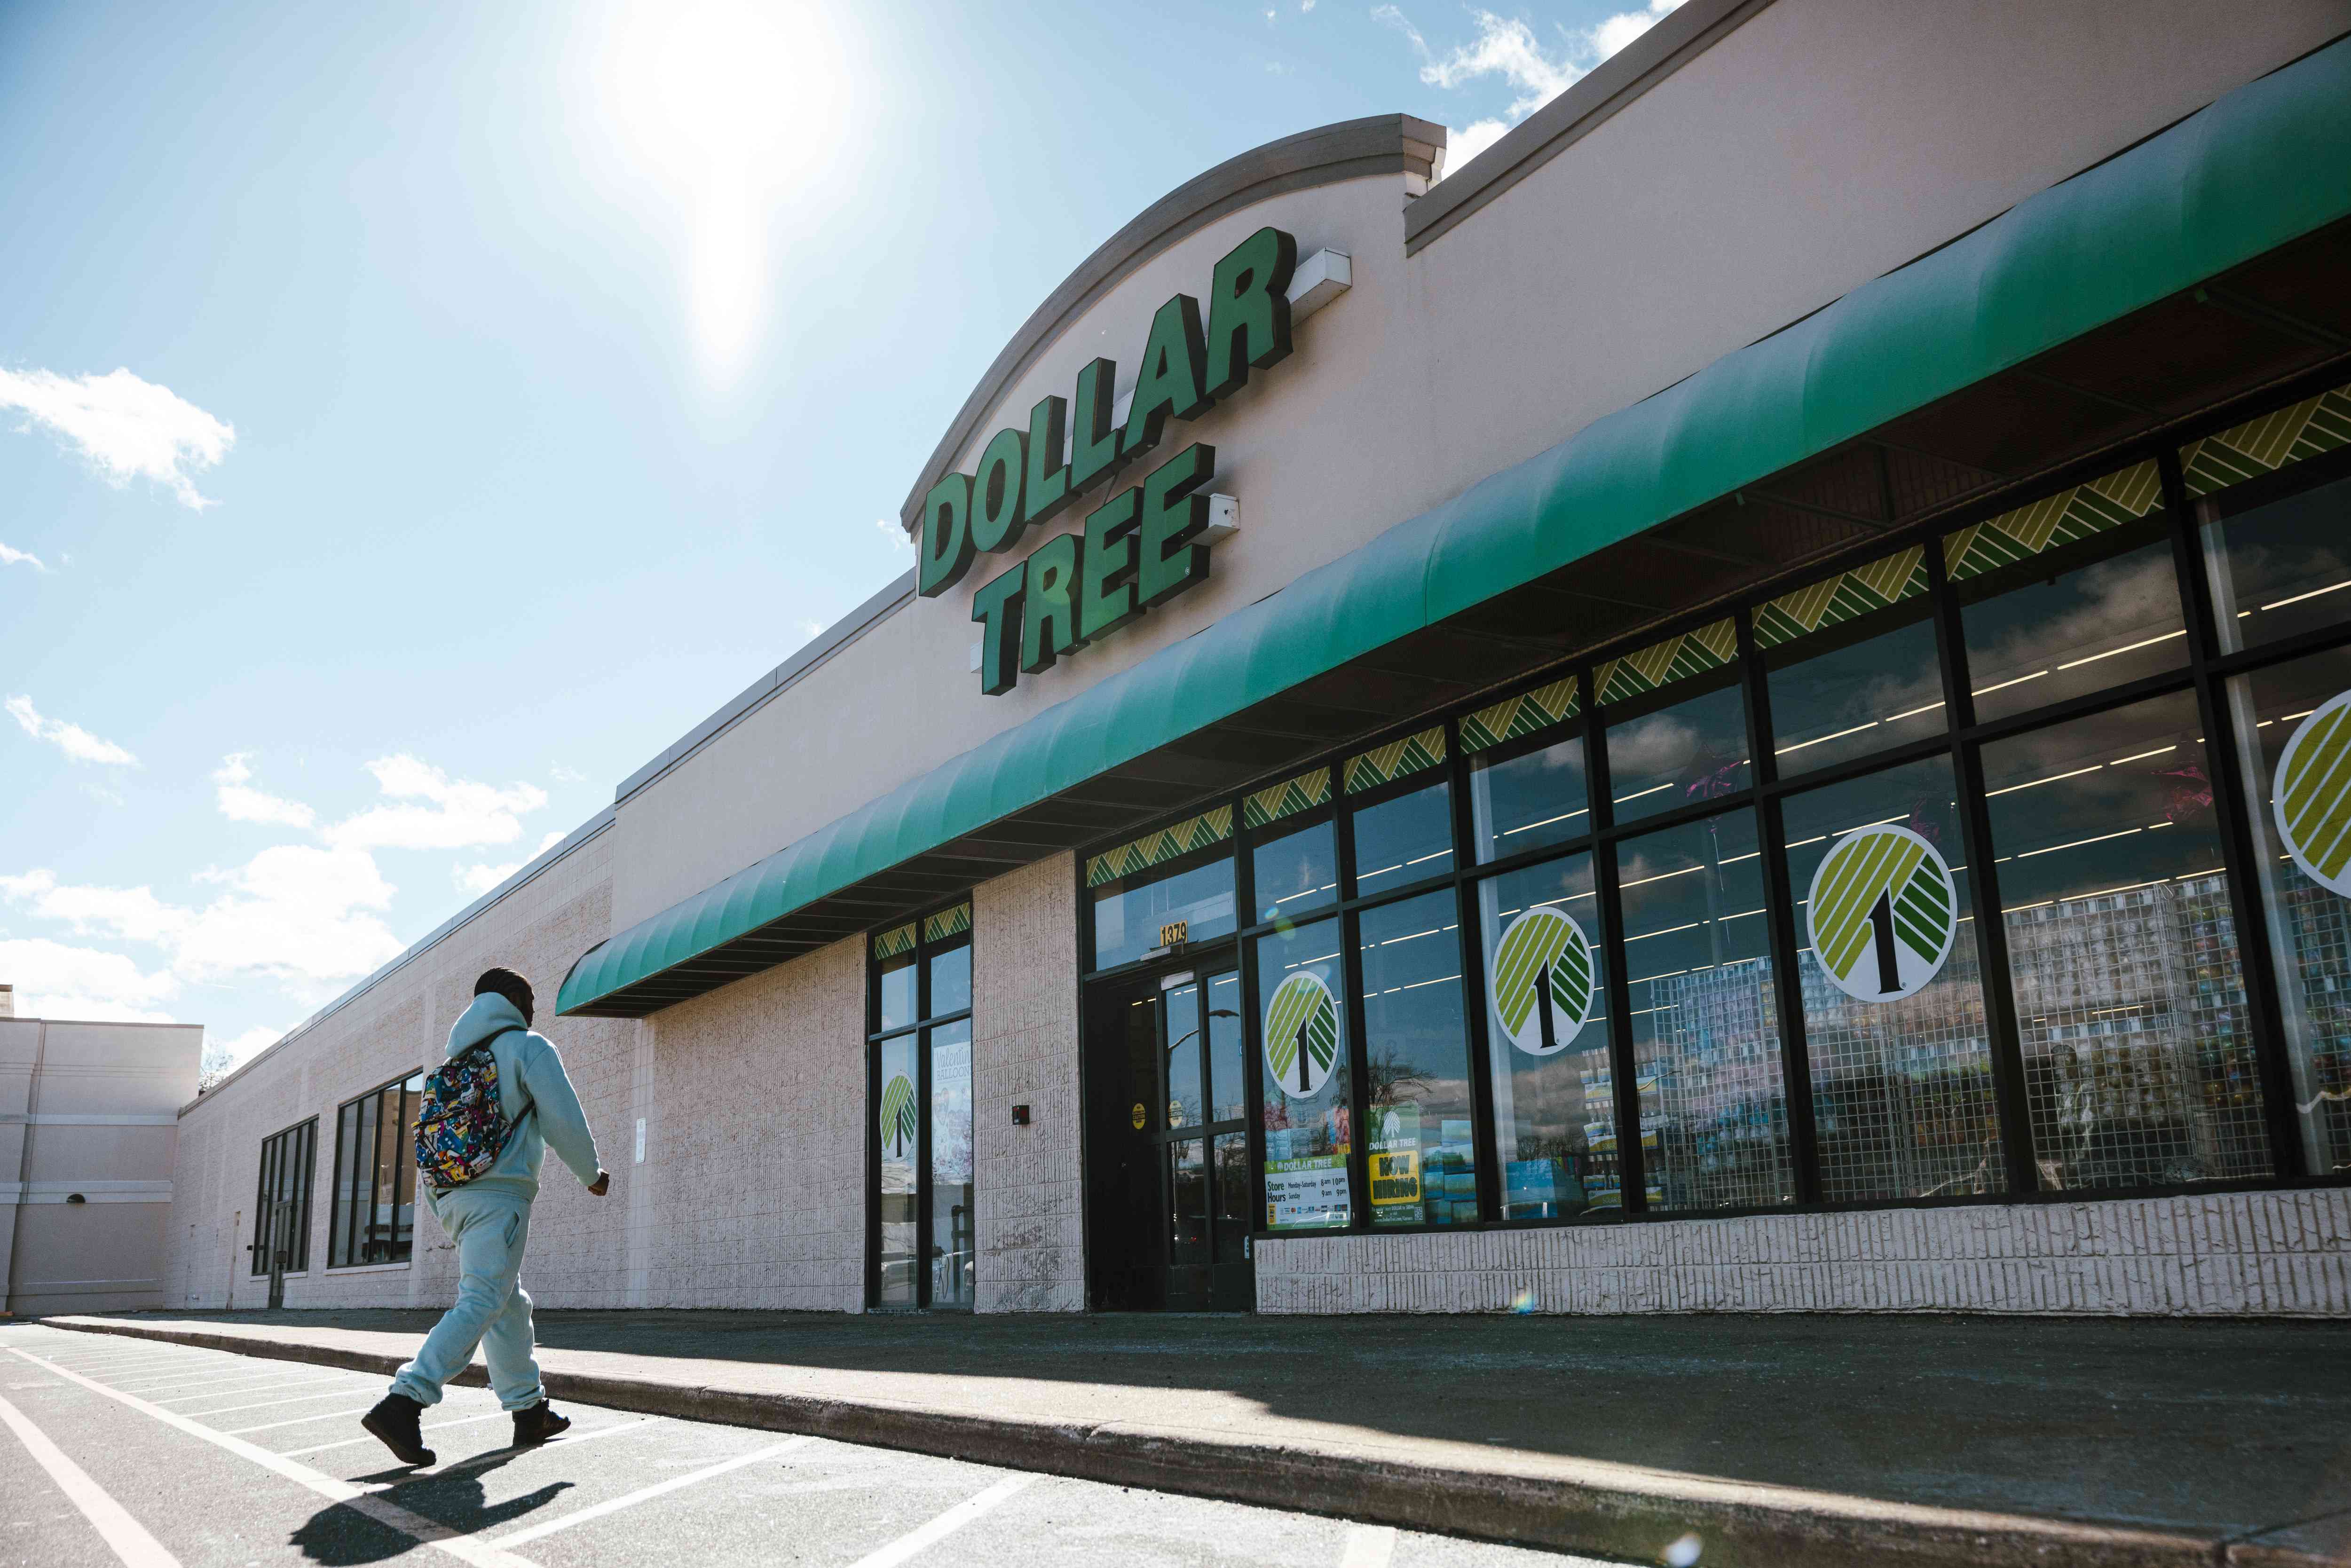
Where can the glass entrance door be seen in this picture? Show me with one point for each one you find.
(1167, 1155)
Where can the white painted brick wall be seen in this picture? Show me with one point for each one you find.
(2218, 1254)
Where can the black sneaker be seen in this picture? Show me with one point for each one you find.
(536, 1423)
(395, 1420)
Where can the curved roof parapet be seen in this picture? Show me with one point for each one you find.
(1350, 150)
(2267, 165)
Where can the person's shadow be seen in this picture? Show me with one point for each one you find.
(340, 1534)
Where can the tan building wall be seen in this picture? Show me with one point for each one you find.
(89, 1110)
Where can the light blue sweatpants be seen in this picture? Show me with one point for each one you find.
(493, 1310)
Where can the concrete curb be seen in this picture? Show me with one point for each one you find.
(1616, 1510)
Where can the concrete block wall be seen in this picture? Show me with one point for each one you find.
(579, 1253)
(2218, 1254)
(1024, 1052)
(755, 1148)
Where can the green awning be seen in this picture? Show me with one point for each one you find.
(2264, 166)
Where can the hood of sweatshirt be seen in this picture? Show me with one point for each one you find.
(490, 1013)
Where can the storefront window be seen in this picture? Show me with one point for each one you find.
(2070, 595)
(2306, 890)
(281, 1207)
(372, 1218)
(921, 1200)
(1421, 1154)
(1903, 1100)
(1704, 1017)
(1227, 1087)
(1179, 873)
(1294, 846)
(2278, 553)
(955, 1216)
(1549, 1033)
(1401, 838)
(1677, 725)
(2130, 1001)
(1527, 784)
(1309, 1092)
(1851, 665)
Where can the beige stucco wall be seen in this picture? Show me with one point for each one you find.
(1031, 1232)
(579, 1245)
(88, 1108)
(1821, 144)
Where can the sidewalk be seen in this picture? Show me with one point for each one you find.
(1809, 1441)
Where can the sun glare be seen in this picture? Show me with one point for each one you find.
(727, 107)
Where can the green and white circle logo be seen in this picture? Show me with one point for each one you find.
(1301, 1035)
(2312, 800)
(898, 1119)
(1882, 915)
(1541, 980)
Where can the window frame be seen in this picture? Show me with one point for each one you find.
(344, 1236)
(2175, 517)
(305, 1147)
(919, 1029)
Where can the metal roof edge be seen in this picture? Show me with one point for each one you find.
(1672, 42)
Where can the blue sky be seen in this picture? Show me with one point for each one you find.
(412, 419)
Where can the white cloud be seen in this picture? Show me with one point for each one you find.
(18, 557)
(563, 774)
(70, 738)
(240, 804)
(129, 912)
(478, 879)
(554, 837)
(127, 428)
(56, 981)
(894, 531)
(1508, 48)
(459, 814)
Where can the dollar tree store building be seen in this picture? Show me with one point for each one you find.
(1740, 705)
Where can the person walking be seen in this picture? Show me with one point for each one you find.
(479, 1176)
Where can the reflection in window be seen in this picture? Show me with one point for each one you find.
(1851, 663)
(1227, 1088)
(2072, 594)
(281, 1207)
(1692, 750)
(1705, 1033)
(1302, 1036)
(2123, 950)
(372, 1219)
(2280, 565)
(1294, 857)
(1416, 1063)
(1188, 1188)
(1528, 800)
(2310, 924)
(1404, 839)
(1903, 1103)
(954, 1216)
(1183, 1054)
(1129, 911)
(1554, 1102)
(900, 1132)
(923, 1206)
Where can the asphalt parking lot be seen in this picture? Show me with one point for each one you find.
(114, 1451)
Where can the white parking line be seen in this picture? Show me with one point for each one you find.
(645, 1494)
(569, 1440)
(372, 1437)
(300, 1420)
(359, 1499)
(125, 1534)
(250, 1385)
(947, 1524)
(210, 1379)
(340, 1391)
(1369, 1546)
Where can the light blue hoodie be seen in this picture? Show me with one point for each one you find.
(530, 1078)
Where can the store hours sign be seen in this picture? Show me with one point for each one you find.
(1138, 549)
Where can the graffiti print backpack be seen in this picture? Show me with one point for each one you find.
(461, 1125)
